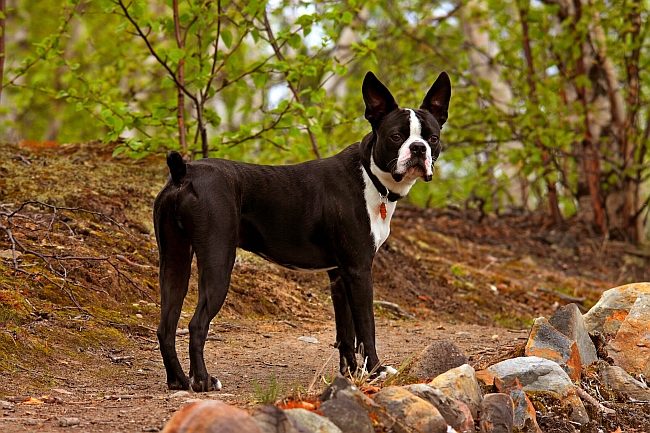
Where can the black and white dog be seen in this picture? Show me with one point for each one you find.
(330, 215)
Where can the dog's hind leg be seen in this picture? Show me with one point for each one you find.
(344, 323)
(215, 255)
(175, 267)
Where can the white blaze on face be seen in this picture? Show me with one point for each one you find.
(404, 153)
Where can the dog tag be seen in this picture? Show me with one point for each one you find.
(382, 210)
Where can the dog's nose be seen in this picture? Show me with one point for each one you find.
(418, 149)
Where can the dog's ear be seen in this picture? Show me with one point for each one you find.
(378, 99)
(437, 100)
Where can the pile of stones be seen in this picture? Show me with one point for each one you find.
(559, 352)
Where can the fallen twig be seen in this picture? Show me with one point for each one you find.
(394, 308)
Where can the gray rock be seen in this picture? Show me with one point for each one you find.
(618, 379)
(6, 405)
(630, 349)
(461, 384)
(412, 411)
(437, 358)
(69, 422)
(568, 320)
(272, 419)
(547, 342)
(311, 421)
(448, 407)
(525, 417)
(341, 388)
(542, 375)
(612, 307)
(497, 414)
(347, 415)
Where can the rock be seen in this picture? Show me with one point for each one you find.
(618, 379)
(568, 320)
(460, 383)
(180, 394)
(542, 375)
(410, 410)
(488, 379)
(437, 358)
(612, 308)
(6, 405)
(525, 417)
(272, 419)
(630, 349)
(497, 413)
(341, 388)
(448, 407)
(68, 422)
(210, 416)
(347, 415)
(314, 423)
(547, 342)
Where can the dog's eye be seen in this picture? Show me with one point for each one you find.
(434, 139)
(396, 137)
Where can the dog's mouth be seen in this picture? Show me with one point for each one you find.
(413, 169)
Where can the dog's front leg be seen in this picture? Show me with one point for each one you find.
(358, 284)
(344, 323)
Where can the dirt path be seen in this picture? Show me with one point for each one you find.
(130, 395)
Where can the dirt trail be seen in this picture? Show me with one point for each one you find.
(131, 395)
(87, 340)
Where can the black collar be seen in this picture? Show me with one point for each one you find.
(383, 191)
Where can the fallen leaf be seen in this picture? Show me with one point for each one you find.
(32, 400)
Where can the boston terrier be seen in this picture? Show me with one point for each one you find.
(329, 214)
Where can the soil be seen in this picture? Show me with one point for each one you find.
(79, 307)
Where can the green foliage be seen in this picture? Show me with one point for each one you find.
(269, 393)
(256, 74)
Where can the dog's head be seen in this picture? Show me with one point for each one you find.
(405, 142)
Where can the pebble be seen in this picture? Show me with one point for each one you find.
(68, 422)
(308, 340)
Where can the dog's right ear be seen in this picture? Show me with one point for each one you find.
(378, 99)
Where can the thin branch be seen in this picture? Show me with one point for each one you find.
(293, 88)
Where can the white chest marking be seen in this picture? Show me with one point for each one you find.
(379, 228)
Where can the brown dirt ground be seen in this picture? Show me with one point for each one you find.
(77, 323)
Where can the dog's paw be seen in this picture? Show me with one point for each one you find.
(179, 384)
(213, 384)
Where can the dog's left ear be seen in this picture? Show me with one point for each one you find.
(437, 100)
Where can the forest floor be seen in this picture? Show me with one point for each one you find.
(78, 312)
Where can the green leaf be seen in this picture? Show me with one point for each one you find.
(226, 37)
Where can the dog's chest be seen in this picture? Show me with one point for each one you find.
(379, 227)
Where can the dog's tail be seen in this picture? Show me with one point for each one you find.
(177, 167)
